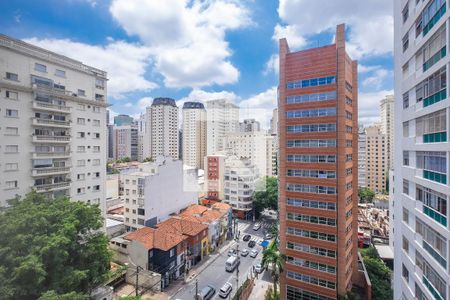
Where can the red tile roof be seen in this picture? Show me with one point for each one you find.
(182, 226)
(156, 238)
(202, 214)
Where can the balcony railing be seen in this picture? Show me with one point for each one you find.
(50, 170)
(51, 138)
(50, 106)
(56, 123)
(52, 186)
(51, 154)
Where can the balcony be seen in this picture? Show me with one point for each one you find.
(52, 186)
(50, 171)
(438, 217)
(437, 137)
(50, 107)
(439, 96)
(51, 154)
(51, 139)
(434, 176)
(50, 123)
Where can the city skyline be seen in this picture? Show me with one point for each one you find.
(143, 64)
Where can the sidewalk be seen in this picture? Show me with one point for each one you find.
(261, 286)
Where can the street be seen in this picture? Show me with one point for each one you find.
(215, 273)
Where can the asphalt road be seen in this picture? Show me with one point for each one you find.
(215, 273)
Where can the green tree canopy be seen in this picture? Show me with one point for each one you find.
(379, 274)
(51, 248)
(273, 258)
(366, 194)
(266, 195)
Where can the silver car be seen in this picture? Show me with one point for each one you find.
(254, 253)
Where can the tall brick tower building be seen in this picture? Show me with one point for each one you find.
(318, 170)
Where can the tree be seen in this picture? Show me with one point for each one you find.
(365, 194)
(50, 248)
(379, 274)
(148, 159)
(272, 257)
(266, 195)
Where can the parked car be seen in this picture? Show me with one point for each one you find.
(206, 293)
(232, 251)
(244, 252)
(231, 263)
(268, 236)
(225, 290)
(254, 253)
(246, 237)
(257, 226)
(258, 268)
(251, 244)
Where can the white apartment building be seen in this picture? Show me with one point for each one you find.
(362, 157)
(240, 178)
(52, 124)
(422, 150)
(155, 191)
(387, 126)
(249, 125)
(125, 142)
(161, 129)
(274, 122)
(194, 134)
(222, 118)
(257, 146)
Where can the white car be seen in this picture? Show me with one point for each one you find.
(244, 252)
(225, 290)
(257, 226)
(254, 253)
(258, 268)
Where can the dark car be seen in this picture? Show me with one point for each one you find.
(246, 237)
(206, 293)
(251, 244)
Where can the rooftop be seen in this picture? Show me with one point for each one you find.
(193, 105)
(164, 101)
(158, 238)
(181, 226)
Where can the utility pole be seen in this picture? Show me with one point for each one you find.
(137, 281)
(196, 289)
(237, 269)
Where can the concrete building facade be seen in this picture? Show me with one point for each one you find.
(249, 125)
(194, 134)
(222, 118)
(387, 127)
(125, 142)
(362, 182)
(422, 150)
(318, 171)
(161, 132)
(377, 150)
(52, 124)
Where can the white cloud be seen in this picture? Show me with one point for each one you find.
(128, 104)
(187, 38)
(125, 63)
(260, 106)
(291, 33)
(376, 80)
(369, 106)
(367, 69)
(272, 65)
(144, 102)
(371, 28)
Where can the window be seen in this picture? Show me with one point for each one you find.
(100, 84)
(299, 84)
(172, 252)
(96, 122)
(96, 188)
(348, 101)
(303, 158)
(59, 86)
(405, 273)
(99, 97)
(348, 115)
(12, 113)
(96, 135)
(81, 134)
(406, 129)
(433, 242)
(405, 215)
(96, 148)
(348, 86)
(81, 163)
(311, 265)
(81, 93)
(12, 149)
(12, 95)
(405, 187)
(311, 173)
(405, 100)
(435, 202)
(406, 158)
(311, 280)
(12, 76)
(316, 189)
(311, 249)
(348, 157)
(96, 109)
(433, 88)
(81, 121)
(311, 97)
(60, 73)
(431, 14)
(348, 129)
(405, 244)
(312, 113)
(81, 176)
(432, 161)
(81, 190)
(11, 166)
(12, 131)
(311, 143)
(40, 67)
(81, 149)
(348, 143)
(312, 128)
(432, 126)
(405, 12)
(433, 50)
(432, 277)
(405, 42)
(96, 162)
(81, 107)
(311, 204)
(12, 184)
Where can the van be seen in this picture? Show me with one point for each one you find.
(231, 263)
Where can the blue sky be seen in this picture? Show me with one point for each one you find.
(205, 49)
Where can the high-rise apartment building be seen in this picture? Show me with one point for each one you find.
(257, 146)
(52, 124)
(125, 142)
(376, 159)
(194, 134)
(422, 150)
(387, 127)
(318, 170)
(362, 157)
(274, 122)
(123, 120)
(222, 118)
(161, 132)
(249, 125)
